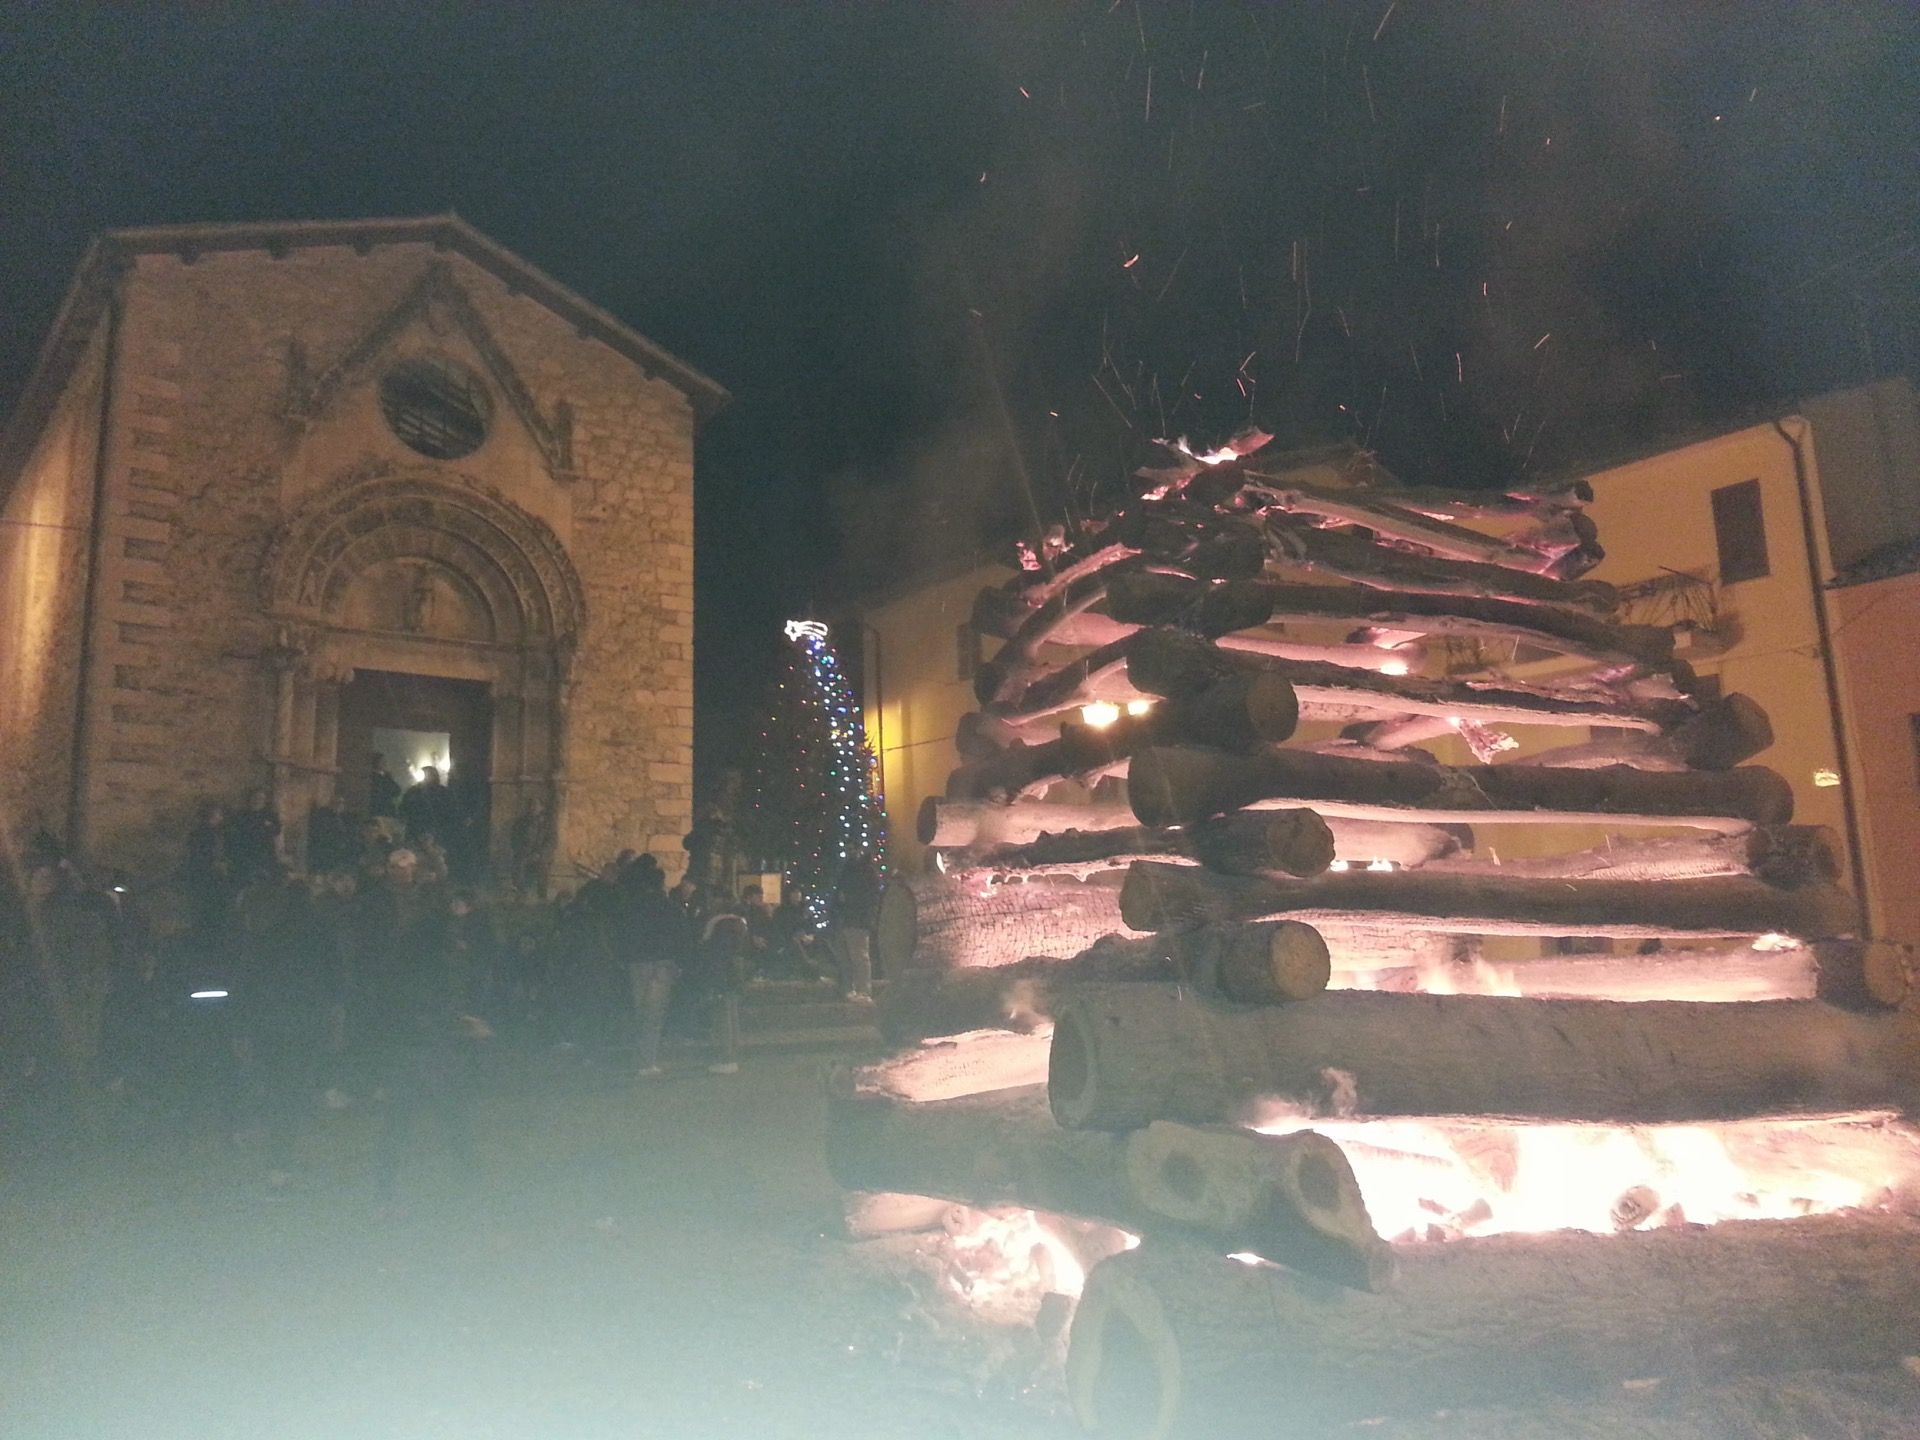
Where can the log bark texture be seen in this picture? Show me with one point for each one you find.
(935, 921)
(1176, 785)
(1004, 1149)
(1783, 855)
(1159, 896)
(1127, 1054)
(1363, 562)
(1168, 1341)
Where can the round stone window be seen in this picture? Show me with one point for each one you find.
(437, 407)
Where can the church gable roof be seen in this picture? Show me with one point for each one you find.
(110, 254)
(444, 232)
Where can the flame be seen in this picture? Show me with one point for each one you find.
(1003, 1263)
(1439, 1178)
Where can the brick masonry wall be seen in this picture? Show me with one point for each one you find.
(205, 466)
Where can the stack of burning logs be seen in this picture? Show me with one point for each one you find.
(1222, 1034)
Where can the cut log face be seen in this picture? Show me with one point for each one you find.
(1302, 1201)
(1125, 1055)
(1171, 897)
(1168, 1341)
(1175, 785)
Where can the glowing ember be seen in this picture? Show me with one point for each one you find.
(1439, 1178)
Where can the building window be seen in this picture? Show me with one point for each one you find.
(437, 407)
(966, 650)
(1740, 532)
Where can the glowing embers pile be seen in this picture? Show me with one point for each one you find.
(1438, 1179)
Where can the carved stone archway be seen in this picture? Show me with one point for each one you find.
(389, 569)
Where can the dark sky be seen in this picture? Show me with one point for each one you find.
(1482, 238)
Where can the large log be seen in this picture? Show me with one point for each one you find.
(950, 824)
(1170, 785)
(1466, 616)
(1378, 566)
(1239, 712)
(1374, 511)
(936, 921)
(1251, 964)
(1293, 842)
(1171, 1341)
(1798, 972)
(1172, 662)
(1159, 896)
(1126, 1054)
(1290, 1199)
(979, 826)
(1783, 855)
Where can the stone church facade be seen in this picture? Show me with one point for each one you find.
(276, 488)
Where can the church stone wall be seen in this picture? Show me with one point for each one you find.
(45, 524)
(205, 465)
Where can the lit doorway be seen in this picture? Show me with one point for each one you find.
(410, 722)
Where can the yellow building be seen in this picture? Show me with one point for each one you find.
(1733, 538)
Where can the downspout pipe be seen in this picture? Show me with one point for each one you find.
(1829, 664)
(79, 771)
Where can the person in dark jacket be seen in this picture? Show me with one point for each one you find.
(656, 932)
(332, 841)
(253, 840)
(720, 975)
(851, 912)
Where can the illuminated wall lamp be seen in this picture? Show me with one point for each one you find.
(1100, 714)
(1139, 707)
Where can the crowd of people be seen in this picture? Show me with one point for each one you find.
(244, 996)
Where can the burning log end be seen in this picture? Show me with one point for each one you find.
(1291, 1199)
(1272, 964)
(1295, 842)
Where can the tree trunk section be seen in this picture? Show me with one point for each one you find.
(1127, 1054)
(1169, 1341)
(1177, 785)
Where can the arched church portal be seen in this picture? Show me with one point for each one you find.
(412, 612)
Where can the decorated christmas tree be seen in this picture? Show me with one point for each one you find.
(813, 798)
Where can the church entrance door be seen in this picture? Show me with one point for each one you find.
(413, 721)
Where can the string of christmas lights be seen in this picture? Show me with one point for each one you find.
(814, 799)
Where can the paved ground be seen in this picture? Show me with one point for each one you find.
(634, 1262)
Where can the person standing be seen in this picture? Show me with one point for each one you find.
(209, 871)
(330, 838)
(383, 791)
(655, 938)
(254, 840)
(855, 903)
(722, 974)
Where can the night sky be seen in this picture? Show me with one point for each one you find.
(959, 261)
